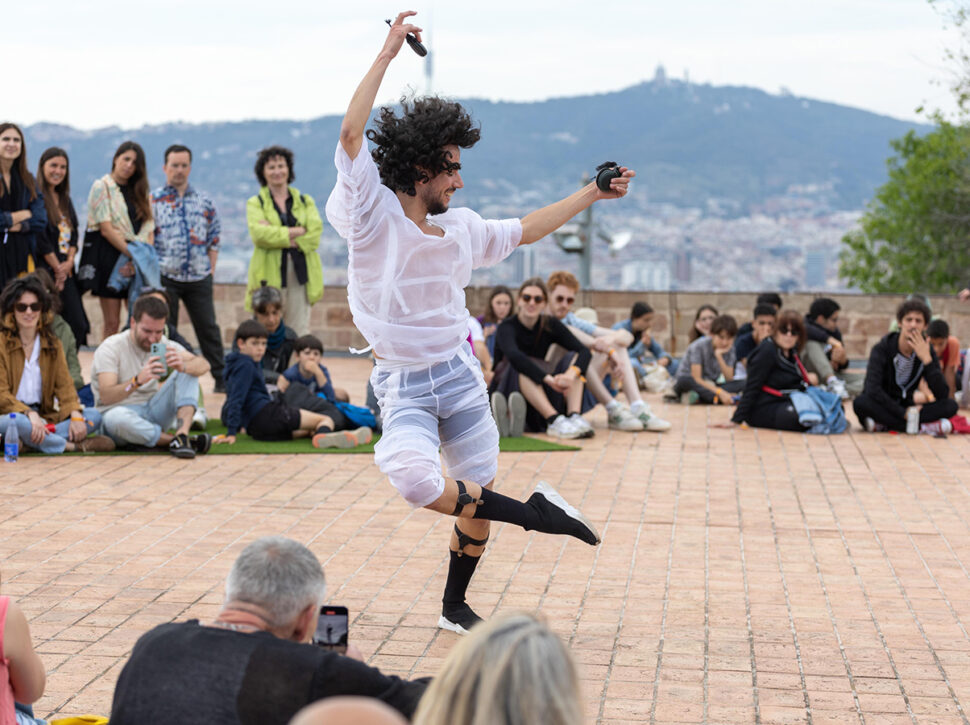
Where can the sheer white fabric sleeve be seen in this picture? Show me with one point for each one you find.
(356, 195)
(492, 240)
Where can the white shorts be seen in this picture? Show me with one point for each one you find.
(424, 407)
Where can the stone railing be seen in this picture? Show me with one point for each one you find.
(864, 318)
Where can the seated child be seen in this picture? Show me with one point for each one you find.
(309, 371)
(947, 349)
(706, 361)
(645, 348)
(249, 405)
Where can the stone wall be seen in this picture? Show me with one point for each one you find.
(864, 318)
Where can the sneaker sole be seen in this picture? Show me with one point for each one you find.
(183, 453)
(517, 410)
(500, 412)
(343, 438)
(553, 497)
(445, 623)
(656, 427)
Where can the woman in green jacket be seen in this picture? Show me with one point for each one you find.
(285, 227)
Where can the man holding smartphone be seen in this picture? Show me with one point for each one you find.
(410, 257)
(253, 662)
(144, 384)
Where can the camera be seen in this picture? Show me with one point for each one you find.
(605, 173)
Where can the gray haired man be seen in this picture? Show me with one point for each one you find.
(252, 663)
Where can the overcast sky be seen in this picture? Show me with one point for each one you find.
(114, 62)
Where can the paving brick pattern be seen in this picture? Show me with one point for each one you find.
(744, 576)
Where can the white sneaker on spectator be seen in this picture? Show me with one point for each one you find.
(580, 422)
(837, 386)
(500, 412)
(872, 426)
(563, 427)
(199, 419)
(517, 409)
(652, 423)
(938, 427)
(622, 419)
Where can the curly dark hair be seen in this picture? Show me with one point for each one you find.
(272, 152)
(12, 293)
(410, 146)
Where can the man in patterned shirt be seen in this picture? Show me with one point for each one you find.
(187, 243)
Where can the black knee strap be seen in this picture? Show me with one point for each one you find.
(464, 540)
(464, 498)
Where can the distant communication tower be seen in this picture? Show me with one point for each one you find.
(429, 72)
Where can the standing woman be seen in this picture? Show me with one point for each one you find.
(57, 243)
(285, 227)
(22, 213)
(120, 209)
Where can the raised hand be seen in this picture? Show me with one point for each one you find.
(619, 187)
(398, 33)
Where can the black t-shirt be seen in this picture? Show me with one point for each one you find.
(187, 673)
(129, 194)
(518, 343)
(294, 253)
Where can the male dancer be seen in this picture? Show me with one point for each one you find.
(410, 259)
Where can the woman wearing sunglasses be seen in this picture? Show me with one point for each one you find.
(554, 398)
(33, 373)
(773, 369)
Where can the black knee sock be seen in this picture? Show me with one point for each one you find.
(460, 571)
(323, 429)
(551, 418)
(496, 507)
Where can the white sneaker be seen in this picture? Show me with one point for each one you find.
(563, 427)
(623, 419)
(199, 419)
(517, 409)
(653, 423)
(580, 422)
(837, 386)
(500, 412)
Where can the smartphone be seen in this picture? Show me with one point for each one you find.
(332, 628)
(158, 349)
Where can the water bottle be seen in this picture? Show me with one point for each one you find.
(11, 441)
(912, 420)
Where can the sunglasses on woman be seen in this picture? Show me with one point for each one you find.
(24, 306)
(787, 331)
(538, 299)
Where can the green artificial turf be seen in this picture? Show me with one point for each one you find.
(246, 445)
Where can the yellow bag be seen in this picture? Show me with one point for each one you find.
(80, 720)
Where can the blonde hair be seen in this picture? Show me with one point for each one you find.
(511, 670)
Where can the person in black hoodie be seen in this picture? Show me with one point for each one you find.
(897, 363)
(773, 368)
(249, 406)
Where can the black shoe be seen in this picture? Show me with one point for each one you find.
(558, 517)
(180, 447)
(220, 387)
(458, 618)
(201, 443)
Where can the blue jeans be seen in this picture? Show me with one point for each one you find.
(53, 442)
(142, 424)
(24, 715)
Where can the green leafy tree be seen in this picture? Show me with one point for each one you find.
(915, 233)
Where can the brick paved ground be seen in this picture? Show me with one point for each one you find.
(743, 576)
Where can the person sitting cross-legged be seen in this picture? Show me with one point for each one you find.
(707, 360)
(249, 406)
(947, 349)
(825, 354)
(142, 395)
(252, 663)
(609, 354)
(897, 364)
(645, 347)
(36, 389)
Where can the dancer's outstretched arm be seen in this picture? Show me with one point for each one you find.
(355, 120)
(548, 219)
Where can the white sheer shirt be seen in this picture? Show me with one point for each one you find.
(406, 289)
